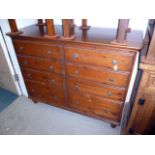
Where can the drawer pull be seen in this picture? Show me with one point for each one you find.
(21, 48)
(32, 90)
(77, 86)
(115, 63)
(109, 93)
(105, 111)
(77, 102)
(111, 79)
(51, 68)
(55, 97)
(53, 82)
(76, 72)
(75, 56)
(25, 62)
(49, 52)
(28, 75)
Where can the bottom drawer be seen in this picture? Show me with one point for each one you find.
(96, 105)
(44, 93)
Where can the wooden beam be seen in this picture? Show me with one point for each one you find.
(68, 27)
(40, 22)
(122, 31)
(84, 25)
(13, 27)
(50, 29)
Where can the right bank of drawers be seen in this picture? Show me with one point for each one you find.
(102, 75)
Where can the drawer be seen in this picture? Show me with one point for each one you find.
(96, 88)
(108, 59)
(95, 105)
(40, 64)
(54, 80)
(97, 74)
(44, 93)
(37, 50)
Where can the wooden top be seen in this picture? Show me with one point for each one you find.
(98, 36)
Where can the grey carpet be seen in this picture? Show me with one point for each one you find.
(23, 117)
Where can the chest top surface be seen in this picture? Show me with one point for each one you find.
(96, 36)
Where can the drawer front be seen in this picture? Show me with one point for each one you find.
(95, 105)
(44, 93)
(38, 50)
(112, 60)
(54, 80)
(96, 88)
(97, 74)
(40, 64)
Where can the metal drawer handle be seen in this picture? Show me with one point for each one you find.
(25, 62)
(77, 102)
(77, 86)
(56, 97)
(75, 56)
(115, 63)
(29, 75)
(76, 72)
(109, 93)
(51, 68)
(105, 111)
(32, 90)
(111, 79)
(49, 52)
(21, 48)
(53, 82)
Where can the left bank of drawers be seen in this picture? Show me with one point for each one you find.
(42, 69)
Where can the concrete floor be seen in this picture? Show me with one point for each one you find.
(23, 117)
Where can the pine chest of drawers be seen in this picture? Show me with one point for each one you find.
(87, 75)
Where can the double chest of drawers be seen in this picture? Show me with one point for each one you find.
(90, 79)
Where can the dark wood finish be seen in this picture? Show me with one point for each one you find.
(40, 22)
(13, 27)
(88, 68)
(103, 58)
(111, 92)
(122, 31)
(142, 118)
(53, 66)
(54, 80)
(37, 49)
(50, 29)
(45, 93)
(97, 74)
(84, 25)
(68, 29)
(96, 105)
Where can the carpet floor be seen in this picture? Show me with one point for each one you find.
(23, 117)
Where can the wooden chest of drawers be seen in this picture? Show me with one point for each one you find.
(87, 77)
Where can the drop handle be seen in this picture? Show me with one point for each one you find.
(77, 86)
(111, 79)
(75, 56)
(53, 82)
(109, 93)
(28, 75)
(25, 62)
(76, 72)
(49, 52)
(51, 68)
(115, 64)
(21, 48)
(55, 97)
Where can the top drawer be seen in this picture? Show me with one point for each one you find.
(38, 50)
(109, 59)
